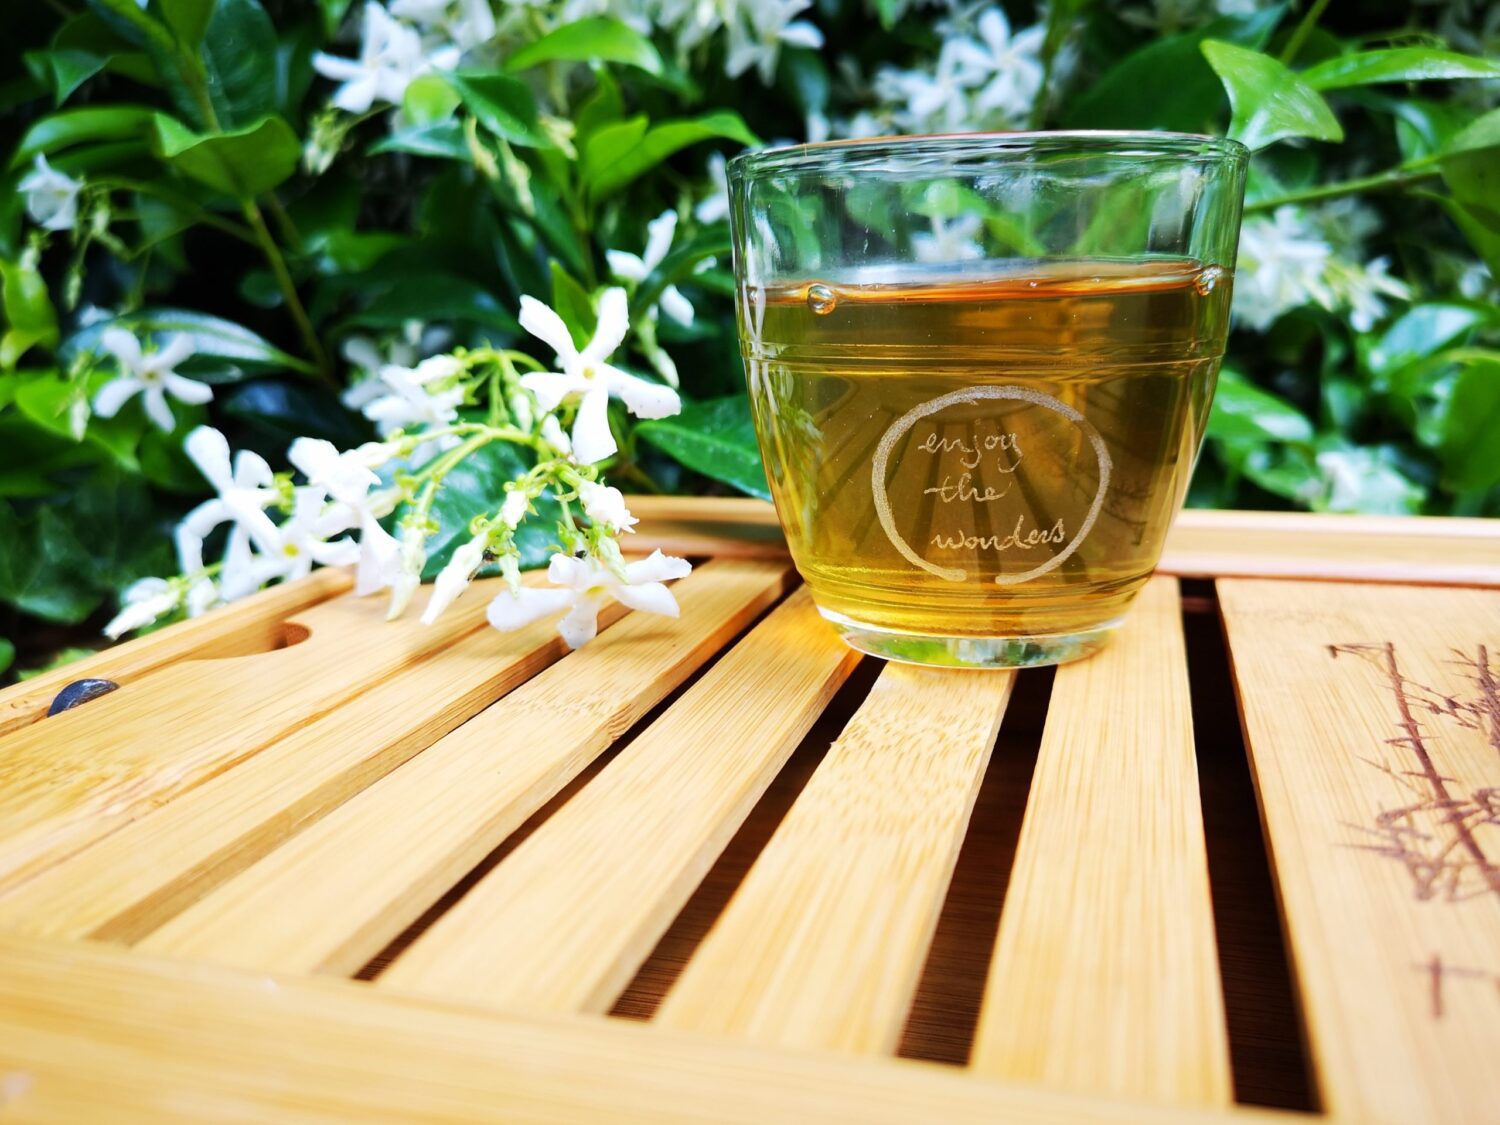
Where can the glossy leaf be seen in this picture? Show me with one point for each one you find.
(1269, 102)
(716, 438)
(436, 297)
(1469, 441)
(571, 301)
(239, 55)
(597, 39)
(502, 103)
(428, 99)
(243, 163)
(66, 128)
(1421, 331)
(442, 139)
(1471, 168)
(1244, 412)
(30, 320)
(7, 654)
(63, 70)
(1400, 64)
(618, 154)
(1167, 84)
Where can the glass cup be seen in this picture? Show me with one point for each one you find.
(980, 368)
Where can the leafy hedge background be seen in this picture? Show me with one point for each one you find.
(309, 190)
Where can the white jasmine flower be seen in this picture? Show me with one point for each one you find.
(716, 207)
(552, 433)
(1010, 63)
(51, 196)
(411, 559)
(202, 596)
(455, 577)
(606, 507)
(379, 558)
(1362, 288)
(347, 476)
(150, 375)
(367, 358)
(1281, 267)
(636, 268)
(304, 539)
(243, 492)
(410, 401)
(586, 375)
(757, 32)
(935, 102)
(467, 23)
(391, 55)
(514, 509)
(585, 586)
(143, 603)
(951, 240)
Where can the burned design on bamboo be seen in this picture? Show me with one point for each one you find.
(1439, 830)
(1437, 972)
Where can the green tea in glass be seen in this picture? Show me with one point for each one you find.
(980, 368)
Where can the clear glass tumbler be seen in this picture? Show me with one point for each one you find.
(980, 368)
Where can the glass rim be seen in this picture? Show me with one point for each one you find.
(969, 148)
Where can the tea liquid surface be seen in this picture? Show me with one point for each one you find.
(984, 456)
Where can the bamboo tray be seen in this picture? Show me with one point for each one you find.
(305, 864)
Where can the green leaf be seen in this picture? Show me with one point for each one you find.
(428, 99)
(1471, 169)
(29, 317)
(62, 70)
(244, 163)
(436, 297)
(1244, 412)
(442, 139)
(239, 55)
(590, 40)
(602, 107)
(503, 104)
(1420, 332)
(571, 302)
(1270, 103)
(1469, 430)
(1368, 479)
(7, 654)
(188, 19)
(716, 438)
(1168, 84)
(44, 570)
(332, 12)
(222, 350)
(618, 154)
(476, 487)
(1486, 242)
(678, 266)
(69, 127)
(887, 11)
(31, 457)
(1424, 128)
(1400, 64)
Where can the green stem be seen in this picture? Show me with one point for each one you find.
(284, 223)
(288, 289)
(1380, 181)
(1303, 30)
(194, 76)
(199, 214)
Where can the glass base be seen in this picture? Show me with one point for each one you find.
(971, 652)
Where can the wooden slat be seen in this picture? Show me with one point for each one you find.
(90, 1033)
(71, 779)
(1201, 544)
(335, 894)
(1105, 976)
(564, 921)
(133, 880)
(824, 943)
(251, 625)
(1373, 719)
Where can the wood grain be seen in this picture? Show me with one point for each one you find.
(1202, 544)
(333, 895)
(1373, 722)
(72, 779)
(92, 1033)
(135, 879)
(564, 922)
(823, 944)
(1105, 976)
(251, 625)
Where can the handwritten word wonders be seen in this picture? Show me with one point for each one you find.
(1020, 537)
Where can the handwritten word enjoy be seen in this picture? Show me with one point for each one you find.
(973, 450)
